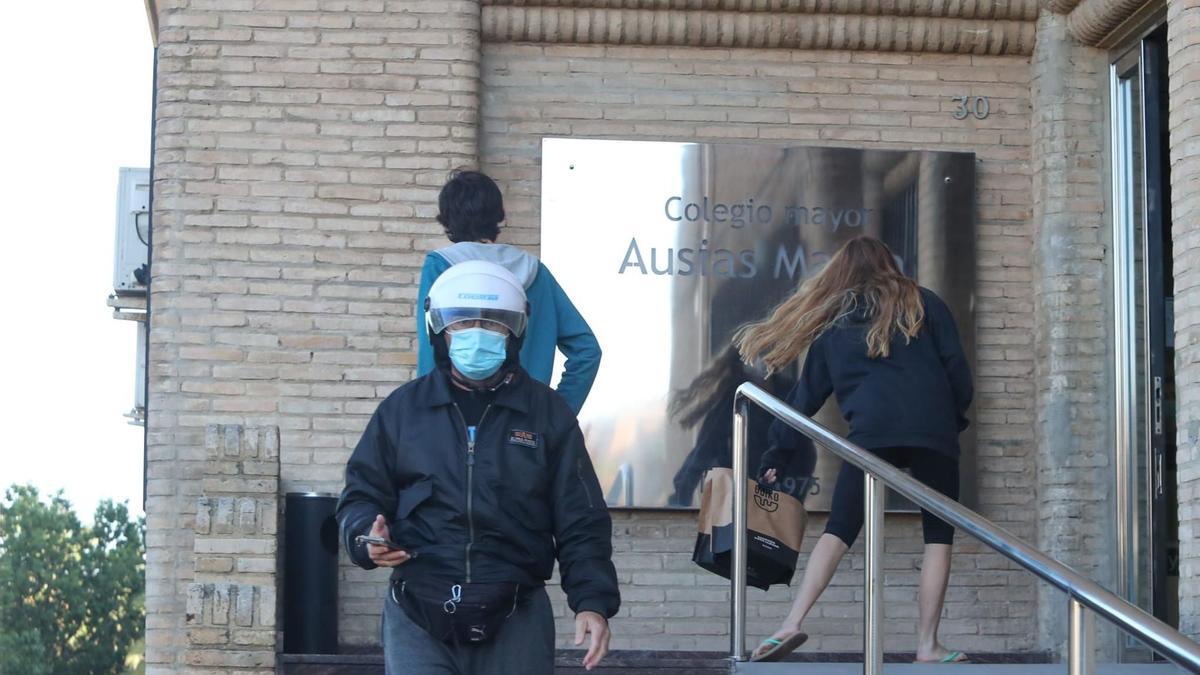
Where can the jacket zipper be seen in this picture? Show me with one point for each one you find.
(471, 433)
(582, 483)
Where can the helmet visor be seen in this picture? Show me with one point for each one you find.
(441, 317)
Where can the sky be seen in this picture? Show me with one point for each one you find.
(76, 106)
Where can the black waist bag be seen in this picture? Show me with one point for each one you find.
(457, 613)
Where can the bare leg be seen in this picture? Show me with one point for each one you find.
(935, 575)
(821, 565)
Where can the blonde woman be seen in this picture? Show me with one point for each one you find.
(890, 352)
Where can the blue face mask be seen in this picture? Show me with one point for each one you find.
(478, 353)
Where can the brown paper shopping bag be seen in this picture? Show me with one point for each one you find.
(774, 523)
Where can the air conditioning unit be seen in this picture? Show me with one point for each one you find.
(133, 232)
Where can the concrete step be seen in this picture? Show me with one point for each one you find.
(637, 662)
(369, 661)
(965, 668)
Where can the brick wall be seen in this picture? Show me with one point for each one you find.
(1183, 57)
(232, 609)
(1071, 235)
(817, 98)
(299, 147)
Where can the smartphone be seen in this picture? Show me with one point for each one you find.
(380, 541)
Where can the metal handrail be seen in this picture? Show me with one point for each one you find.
(1082, 592)
(624, 480)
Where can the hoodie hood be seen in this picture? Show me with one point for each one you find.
(523, 265)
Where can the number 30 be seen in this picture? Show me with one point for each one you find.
(971, 105)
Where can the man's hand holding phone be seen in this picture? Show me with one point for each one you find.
(386, 553)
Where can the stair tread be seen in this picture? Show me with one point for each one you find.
(971, 668)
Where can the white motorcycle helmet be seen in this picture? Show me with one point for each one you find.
(477, 290)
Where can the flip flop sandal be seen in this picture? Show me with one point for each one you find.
(779, 648)
(952, 657)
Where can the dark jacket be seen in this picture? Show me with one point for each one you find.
(529, 495)
(916, 397)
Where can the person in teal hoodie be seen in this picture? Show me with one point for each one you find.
(470, 208)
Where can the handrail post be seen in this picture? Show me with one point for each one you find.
(627, 483)
(874, 490)
(738, 572)
(1081, 639)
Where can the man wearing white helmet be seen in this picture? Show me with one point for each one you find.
(470, 482)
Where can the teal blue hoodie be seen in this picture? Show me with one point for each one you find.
(553, 320)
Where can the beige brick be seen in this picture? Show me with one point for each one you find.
(208, 636)
(213, 565)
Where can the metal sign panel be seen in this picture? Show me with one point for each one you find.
(667, 248)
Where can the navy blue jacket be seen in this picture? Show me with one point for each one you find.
(916, 397)
(500, 508)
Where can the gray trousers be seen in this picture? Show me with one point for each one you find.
(525, 644)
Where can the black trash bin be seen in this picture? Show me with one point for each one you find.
(310, 574)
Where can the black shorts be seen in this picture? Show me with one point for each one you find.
(930, 467)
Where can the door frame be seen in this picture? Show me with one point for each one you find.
(1143, 59)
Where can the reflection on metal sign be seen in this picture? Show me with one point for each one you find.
(667, 248)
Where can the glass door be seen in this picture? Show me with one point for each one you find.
(1147, 526)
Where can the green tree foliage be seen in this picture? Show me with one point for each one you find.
(70, 594)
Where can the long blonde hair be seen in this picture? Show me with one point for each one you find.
(861, 275)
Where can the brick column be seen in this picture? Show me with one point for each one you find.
(231, 604)
(1183, 58)
(1071, 233)
(299, 147)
